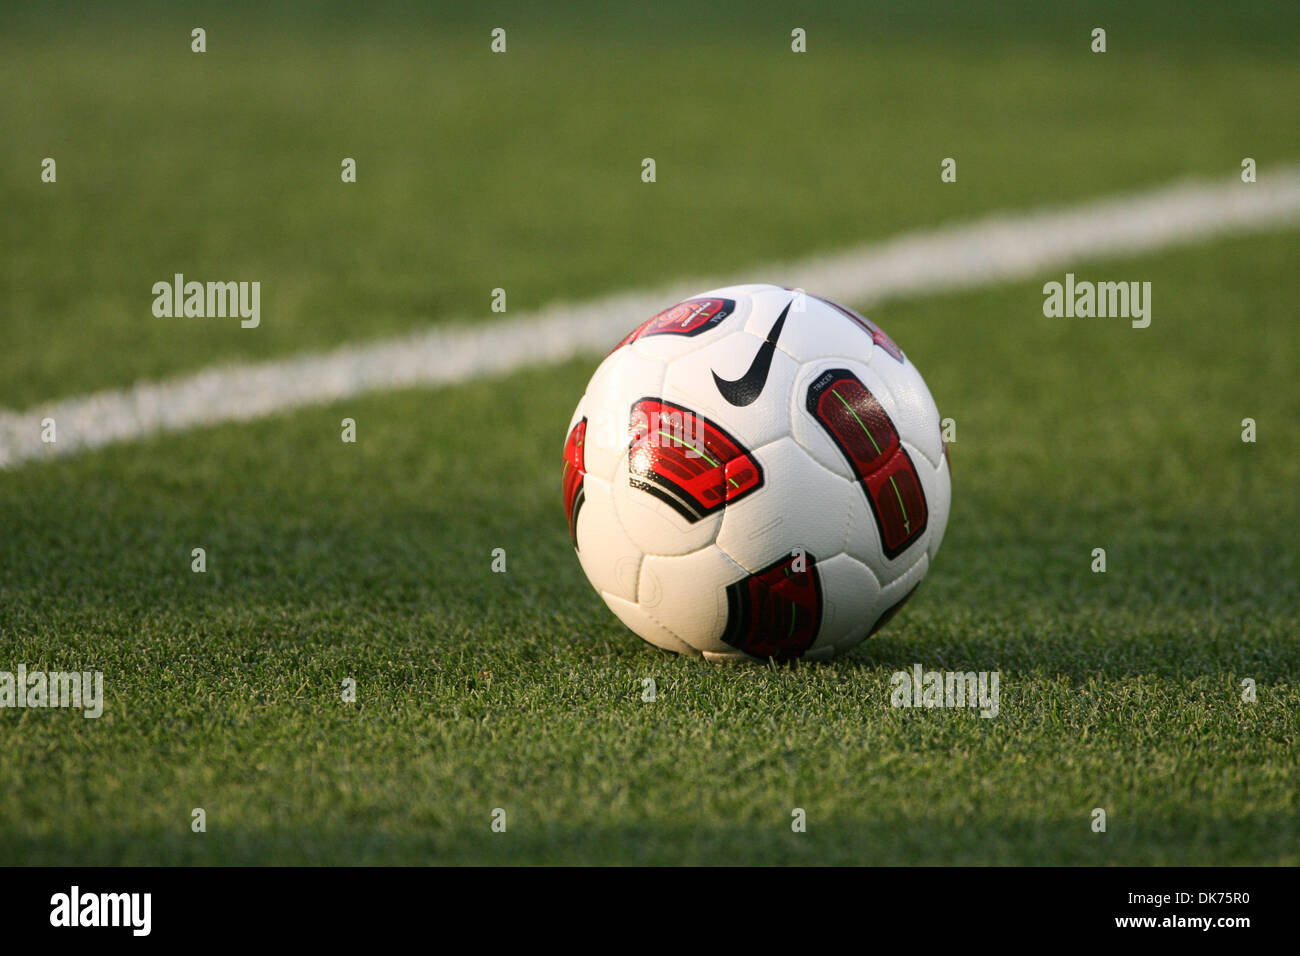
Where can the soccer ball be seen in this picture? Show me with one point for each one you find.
(756, 473)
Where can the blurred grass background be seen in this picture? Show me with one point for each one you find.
(522, 171)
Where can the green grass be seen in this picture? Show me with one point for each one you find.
(520, 690)
(372, 561)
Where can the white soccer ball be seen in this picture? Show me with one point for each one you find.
(756, 473)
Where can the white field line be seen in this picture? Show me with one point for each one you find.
(999, 248)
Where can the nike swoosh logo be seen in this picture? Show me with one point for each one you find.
(746, 389)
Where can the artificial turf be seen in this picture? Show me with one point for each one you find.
(479, 690)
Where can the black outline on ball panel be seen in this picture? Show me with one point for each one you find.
(860, 479)
(578, 500)
(579, 493)
(684, 506)
(739, 611)
(672, 501)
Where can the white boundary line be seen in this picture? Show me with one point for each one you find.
(995, 249)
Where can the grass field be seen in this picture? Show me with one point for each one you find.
(372, 561)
